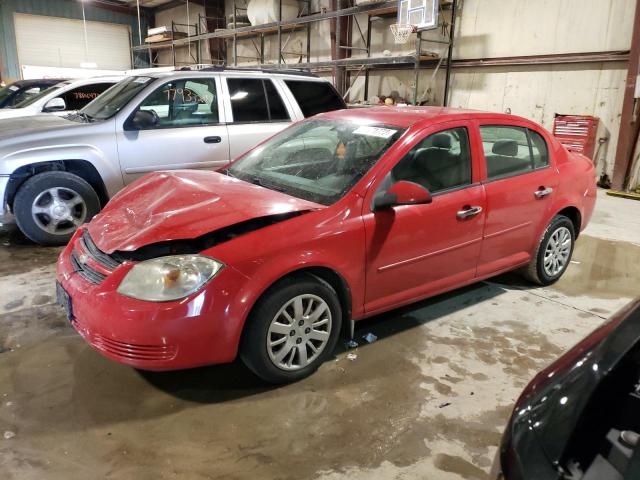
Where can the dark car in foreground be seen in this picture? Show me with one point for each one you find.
(23, 89)
(579, 419)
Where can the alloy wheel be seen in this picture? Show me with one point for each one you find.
(59, 210)
(557, 251)
(299, 332)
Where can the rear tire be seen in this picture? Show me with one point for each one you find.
(292, 329)
(50, 206)
(553, 253)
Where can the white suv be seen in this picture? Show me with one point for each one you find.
(57, 172)
(62, 98)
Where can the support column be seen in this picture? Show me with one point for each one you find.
(629, 121)
(339, 37)
(452, 32)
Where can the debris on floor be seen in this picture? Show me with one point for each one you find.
(351, 344)
(370, 337)
(9, 434)
(445, 404)
(352, 356)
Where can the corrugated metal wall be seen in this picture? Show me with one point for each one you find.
(53, 8)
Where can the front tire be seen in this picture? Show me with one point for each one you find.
(292, 329)
(553, 253)
(50, 206)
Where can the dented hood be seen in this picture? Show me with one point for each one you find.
(184, 204)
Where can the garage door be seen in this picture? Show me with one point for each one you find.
(59, 42)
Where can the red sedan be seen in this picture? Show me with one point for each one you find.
(337, 218)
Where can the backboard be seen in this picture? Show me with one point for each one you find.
(422, 13)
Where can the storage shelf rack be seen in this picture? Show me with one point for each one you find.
(153, 48)
(349, 64)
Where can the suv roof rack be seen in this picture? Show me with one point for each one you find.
(286, 71)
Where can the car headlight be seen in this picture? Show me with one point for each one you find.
(168, 278)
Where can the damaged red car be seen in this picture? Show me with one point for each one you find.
(339, 217)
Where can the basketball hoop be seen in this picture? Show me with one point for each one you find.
(401, 31)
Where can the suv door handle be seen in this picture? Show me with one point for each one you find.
(543, 192)
(468, 211)
(214, 139)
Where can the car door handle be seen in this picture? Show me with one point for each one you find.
(214, 139)
(543, 192)
(468, 211)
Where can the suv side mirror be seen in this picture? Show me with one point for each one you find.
(55, 105)
(401, 193)
(143, 120)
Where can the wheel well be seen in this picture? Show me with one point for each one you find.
(574, 215)
(333, 278)
(338, 283)
(81, 168)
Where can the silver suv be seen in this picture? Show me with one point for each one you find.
(57, 172)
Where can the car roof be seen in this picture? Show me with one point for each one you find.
(99, 79)
(407, 116)
(293, 74)
(38, 81)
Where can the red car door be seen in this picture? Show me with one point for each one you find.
(414, 251)
(520, 180)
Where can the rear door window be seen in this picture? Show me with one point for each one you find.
(255, 100)
(539, 150)
(315, 97)
(77, 98)
(277, 109)
(511, 150)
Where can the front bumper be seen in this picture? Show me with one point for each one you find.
(198, 330)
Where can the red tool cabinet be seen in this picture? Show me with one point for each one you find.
(577, 132)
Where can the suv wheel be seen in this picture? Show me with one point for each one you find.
(50, 206)
(553, 253)
(292, 329)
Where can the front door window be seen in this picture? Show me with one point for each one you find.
(183, 103)
(441, 161)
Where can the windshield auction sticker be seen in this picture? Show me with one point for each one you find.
(374, 131)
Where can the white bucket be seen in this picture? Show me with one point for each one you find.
(266, 11)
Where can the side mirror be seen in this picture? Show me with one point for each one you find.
(401, 193)
(55, 105)
(143, 120)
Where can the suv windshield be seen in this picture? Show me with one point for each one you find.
(33, 99)
(317, 160)
(115, 98)
(7, 91)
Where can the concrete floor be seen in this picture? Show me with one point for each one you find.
(428, 400)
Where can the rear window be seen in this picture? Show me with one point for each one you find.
(315, 97)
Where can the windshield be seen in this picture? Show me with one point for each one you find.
(115, 98)
(34, 98)
(7, 91)
(317, 160)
